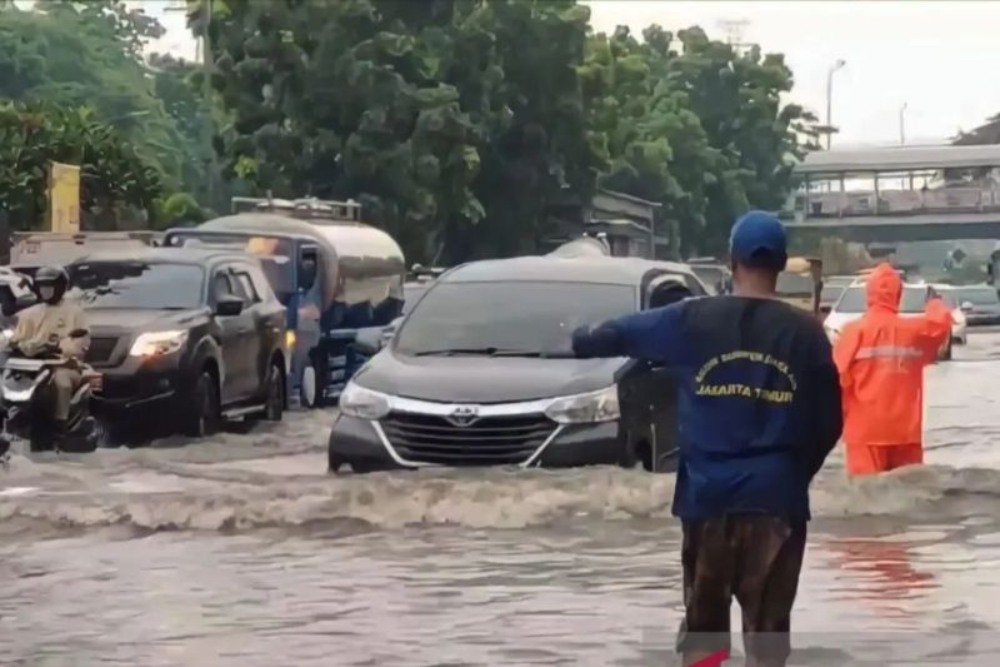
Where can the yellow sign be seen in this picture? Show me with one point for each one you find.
(64, 198)
(703, 388)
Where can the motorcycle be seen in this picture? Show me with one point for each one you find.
(26, 391)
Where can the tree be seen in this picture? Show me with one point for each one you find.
(431, 113)
(458, 122)
(90, 54)
(700, 129)
(115, 180)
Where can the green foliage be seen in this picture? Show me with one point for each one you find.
(458, 122)
(114, 178)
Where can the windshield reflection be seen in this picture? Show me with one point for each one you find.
(138, 285)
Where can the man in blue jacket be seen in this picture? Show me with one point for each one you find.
(759, 411)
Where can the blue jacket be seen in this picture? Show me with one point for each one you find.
(758, 399)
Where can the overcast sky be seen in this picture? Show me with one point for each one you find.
(939, 58)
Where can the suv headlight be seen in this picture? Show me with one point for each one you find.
(158, 343)
(589, 408)
(831, 333)
(363, 403)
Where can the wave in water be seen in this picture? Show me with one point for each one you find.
(191, 497)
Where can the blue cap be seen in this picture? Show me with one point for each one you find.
(758, 232)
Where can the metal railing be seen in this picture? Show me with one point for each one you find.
(866, 203)
(308, 208)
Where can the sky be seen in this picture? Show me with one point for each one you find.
(939, 59)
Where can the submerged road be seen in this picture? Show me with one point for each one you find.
(243, 552)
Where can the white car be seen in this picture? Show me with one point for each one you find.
(854, 301)
(959, 323)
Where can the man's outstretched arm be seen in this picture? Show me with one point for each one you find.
(651, 335)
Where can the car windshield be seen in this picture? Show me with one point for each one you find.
(138, 285)
(411, 294)
(831, 293)
(854, 300)
(977, 296)
(517, 318)
(794, 284)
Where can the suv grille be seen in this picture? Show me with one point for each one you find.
(488, 441)
(101, 350)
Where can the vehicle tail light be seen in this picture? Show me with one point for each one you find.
(96, 381)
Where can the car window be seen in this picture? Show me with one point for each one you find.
(855, 300)
(260, 283)
(138, 285)
(977, 296)
(247, 287)
(528, 316)
(222, 286)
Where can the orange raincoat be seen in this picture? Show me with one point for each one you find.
(881, 359)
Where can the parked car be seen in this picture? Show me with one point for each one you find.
(979, 303)
(854, 302)
(481, 372)
(189, 335)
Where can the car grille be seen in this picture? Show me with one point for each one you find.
(101, 350)
(488, 441)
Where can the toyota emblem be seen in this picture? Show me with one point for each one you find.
(464, 415)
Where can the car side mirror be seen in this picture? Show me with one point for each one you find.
(369, 340)
(229, 306)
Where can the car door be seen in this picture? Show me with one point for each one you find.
(648, 393)
(235, 332)
(249, 332)
(266, 326)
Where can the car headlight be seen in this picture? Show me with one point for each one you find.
(831, 333)
(589, 408)
(363, 403)
(158, 343)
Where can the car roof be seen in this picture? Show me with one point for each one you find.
(185, 255)
(594, 270)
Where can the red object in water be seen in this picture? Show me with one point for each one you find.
(714, 660)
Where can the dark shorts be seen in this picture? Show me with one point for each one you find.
(755, 558)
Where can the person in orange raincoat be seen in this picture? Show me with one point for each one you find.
(881, 360)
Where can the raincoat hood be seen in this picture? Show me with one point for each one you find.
(884, 289)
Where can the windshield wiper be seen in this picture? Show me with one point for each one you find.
(491, 352)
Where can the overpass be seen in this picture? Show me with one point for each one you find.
(908, 193)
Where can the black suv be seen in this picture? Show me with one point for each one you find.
(190, 335)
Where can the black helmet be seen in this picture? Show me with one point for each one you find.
(51, 276)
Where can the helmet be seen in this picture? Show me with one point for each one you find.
(51, 276)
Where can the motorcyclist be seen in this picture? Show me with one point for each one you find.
(45, 328)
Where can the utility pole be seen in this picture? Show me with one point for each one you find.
(208, 125)
(902, 123)
(204, 56)
(836, 67)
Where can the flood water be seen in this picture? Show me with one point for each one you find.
(243, 551)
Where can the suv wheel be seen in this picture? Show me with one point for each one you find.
(201, 413)
(275, 402)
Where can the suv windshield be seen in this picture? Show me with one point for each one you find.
(514, 318)
(854, 300)
(138, 285)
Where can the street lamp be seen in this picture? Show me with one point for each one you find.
(837, 66)
(902, 123)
